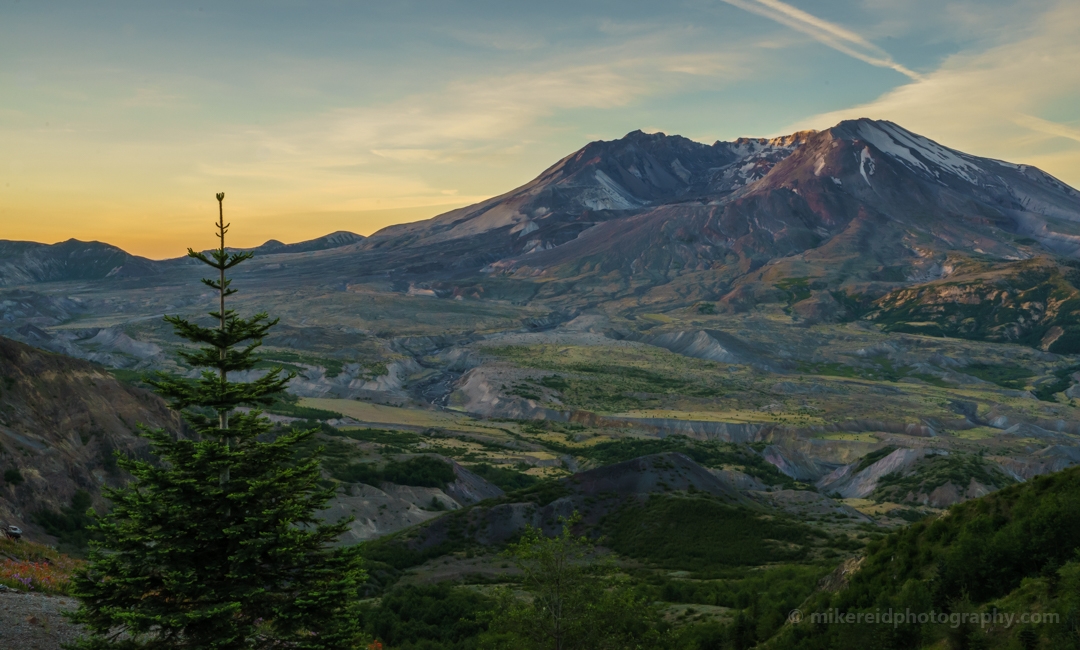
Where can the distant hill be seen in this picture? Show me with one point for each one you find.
(24, 262)
(597, 494)
(333, 240)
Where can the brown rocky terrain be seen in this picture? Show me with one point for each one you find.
(61, 419)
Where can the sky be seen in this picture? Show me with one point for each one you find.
(120, 121)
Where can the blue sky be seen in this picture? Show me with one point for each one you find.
(315, 117)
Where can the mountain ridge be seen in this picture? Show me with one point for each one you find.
(653, 207)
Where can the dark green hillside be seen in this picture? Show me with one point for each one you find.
(932, 472)
(428, 617)
(702, 535)
(1013, 552)
(1034, 303)
(708, 453)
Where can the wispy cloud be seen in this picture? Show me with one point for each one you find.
(1046, 126)
(988, 103)
(838, 38)
(375, 161)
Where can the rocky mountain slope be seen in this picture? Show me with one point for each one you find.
(29, 262)
(61, 419)
(863, 202)
(333, 240)
(862, 207)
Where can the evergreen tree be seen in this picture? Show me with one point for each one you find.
(575, 601)
(217, 545)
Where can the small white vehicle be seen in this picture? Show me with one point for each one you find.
(14, 532)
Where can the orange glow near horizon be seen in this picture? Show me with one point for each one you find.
(119, 124)
(165, 236)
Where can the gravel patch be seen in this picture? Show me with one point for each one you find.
(35, 621)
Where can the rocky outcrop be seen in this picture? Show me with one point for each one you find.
(378, 511)
(841, 576)
(849, 483)
(388, 508)
(481, 391)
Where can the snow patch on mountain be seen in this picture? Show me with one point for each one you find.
(909, 147)
(866, 161)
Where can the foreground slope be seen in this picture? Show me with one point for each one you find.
(61, 419)
(1012, 553)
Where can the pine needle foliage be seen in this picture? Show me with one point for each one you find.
(215, 545)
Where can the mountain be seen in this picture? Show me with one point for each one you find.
(604, 180)
(333, 240)
(863, 203)
(24, 263)
(650, 207)
(29, 262)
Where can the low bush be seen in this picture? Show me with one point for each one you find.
(503, 477)
(710, 535)
(421, 471)
(71, 525)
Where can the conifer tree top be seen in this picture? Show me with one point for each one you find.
(216, 544)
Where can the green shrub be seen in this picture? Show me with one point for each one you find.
(13, 476)
(931, 472)
(393, 439)
(303, 412)
(710, 535)
(1062, 380)
(873, 457)
(69, 526)
(426, 617)
(709, 453)
(422, 471)
(505, 478)
(1006, 375)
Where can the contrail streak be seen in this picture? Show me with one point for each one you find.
(832, 35)
(1047, 127)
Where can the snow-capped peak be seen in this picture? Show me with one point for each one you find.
(917, 152)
